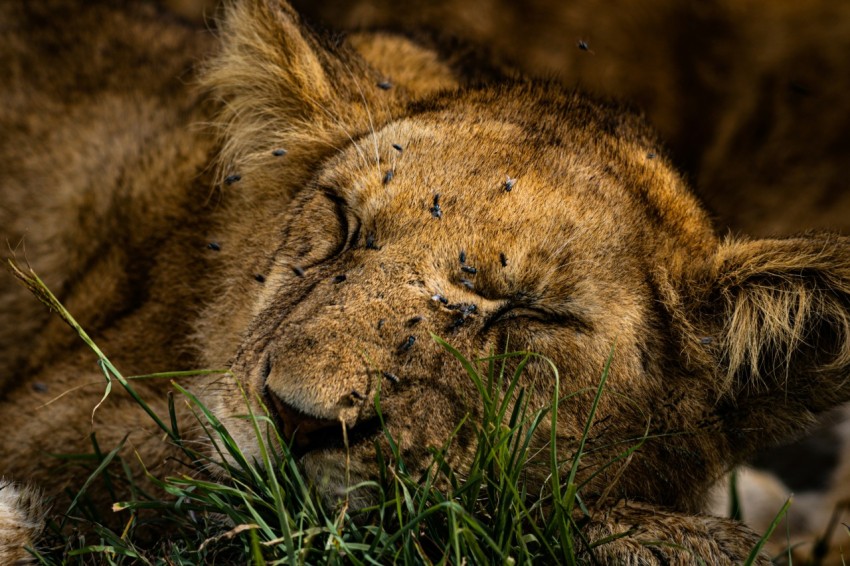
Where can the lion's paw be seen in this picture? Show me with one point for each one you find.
(22, 516)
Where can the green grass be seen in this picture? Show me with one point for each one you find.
(266, 512)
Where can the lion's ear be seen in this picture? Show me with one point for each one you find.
(269, 61)
(772, 320)
(280, 85)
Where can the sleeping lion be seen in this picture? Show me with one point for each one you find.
(306, 211)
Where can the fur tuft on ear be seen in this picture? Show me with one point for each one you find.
(281, 86)
(787, 306)
(268, 60)
(766, 327)
(778, 314)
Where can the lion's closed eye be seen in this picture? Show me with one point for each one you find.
(322, 229)
(526, 314)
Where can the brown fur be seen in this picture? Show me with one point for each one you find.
(116, 191)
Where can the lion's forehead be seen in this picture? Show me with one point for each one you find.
(486, 186)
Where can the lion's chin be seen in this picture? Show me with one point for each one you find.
(341, 476)
(341, 481)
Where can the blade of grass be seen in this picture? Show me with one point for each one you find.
(100, 468)
(754, 553)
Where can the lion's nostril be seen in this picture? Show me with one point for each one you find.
(299, 429)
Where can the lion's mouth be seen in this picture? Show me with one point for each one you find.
(305, 433)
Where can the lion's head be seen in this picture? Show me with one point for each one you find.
(369, 199)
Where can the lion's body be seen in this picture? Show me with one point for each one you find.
(308, 241)
(90, 149)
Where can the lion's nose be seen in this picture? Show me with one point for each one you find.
(299, 429)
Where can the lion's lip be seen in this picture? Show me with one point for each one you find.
(305, 433)
(295, 425)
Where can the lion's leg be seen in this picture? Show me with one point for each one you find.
(650, 536)
(22, 516)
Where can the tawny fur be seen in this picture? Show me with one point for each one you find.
(117, 191)
(22, 516)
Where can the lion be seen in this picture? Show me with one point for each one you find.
(351, 198)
